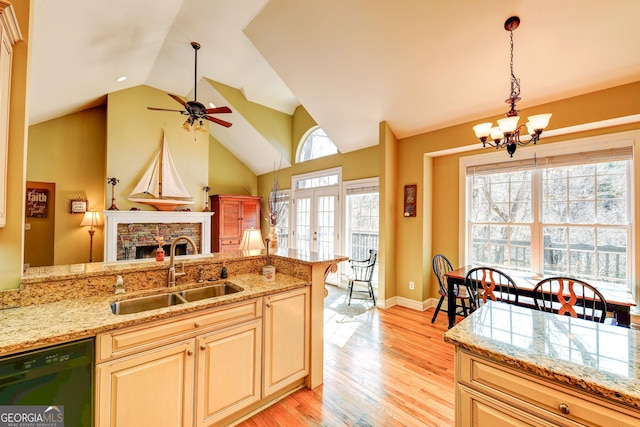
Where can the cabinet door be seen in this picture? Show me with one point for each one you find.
(153, 389)
(250, 215)
(476, 410)
(230, 214)
(286, 339)
(229, 371)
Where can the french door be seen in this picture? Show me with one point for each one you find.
(316, 220)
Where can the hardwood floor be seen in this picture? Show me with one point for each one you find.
(382, 368)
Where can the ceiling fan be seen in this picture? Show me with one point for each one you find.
(194, 109)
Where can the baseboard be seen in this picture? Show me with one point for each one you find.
(410, 303)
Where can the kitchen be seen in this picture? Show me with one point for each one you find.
(440, 227)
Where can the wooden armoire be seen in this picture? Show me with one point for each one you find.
(232, 215)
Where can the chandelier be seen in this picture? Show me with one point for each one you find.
(507, 133)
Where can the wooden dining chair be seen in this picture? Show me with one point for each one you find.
(488, 283)
(441, 266)
(570, 297)
(362, 271)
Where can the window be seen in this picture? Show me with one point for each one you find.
(282, 200)
(362, 219)
(562, 214)
(315, 144)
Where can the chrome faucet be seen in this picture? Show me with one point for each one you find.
(172, 267)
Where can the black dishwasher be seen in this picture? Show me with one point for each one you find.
(60, 376)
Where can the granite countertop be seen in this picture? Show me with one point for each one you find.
(40, 325)
(597, 358)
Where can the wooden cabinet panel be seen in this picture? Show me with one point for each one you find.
(286, 339)
(154, 388)
(517, 391)
(229, 371)
(232, 215)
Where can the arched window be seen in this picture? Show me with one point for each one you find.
(315, 144)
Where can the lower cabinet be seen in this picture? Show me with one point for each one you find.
(204, 369)
(228, 374)
(286, 339)
(491, 394)
(154, 388)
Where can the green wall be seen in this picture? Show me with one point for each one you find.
(70, 152)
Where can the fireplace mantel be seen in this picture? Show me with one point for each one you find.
(113, 218)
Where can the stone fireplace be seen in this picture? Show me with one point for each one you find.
(132, 235)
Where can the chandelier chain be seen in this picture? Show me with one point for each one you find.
(515, 82)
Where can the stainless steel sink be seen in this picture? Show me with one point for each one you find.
(219, 289)
(151, 302)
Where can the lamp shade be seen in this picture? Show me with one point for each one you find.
(483, 130)
(539, 121)
(251, 240)
(508, 125)
(91, 218)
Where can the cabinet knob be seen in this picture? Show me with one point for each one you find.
(189, 353)
(564, 408)
(196, 325)
(268, 304)
(203, 347)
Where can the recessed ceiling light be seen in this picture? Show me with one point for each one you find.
(212, 105)
(121, 79)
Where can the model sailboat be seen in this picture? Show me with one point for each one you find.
(160, 185)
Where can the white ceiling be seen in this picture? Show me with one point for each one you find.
(418, 64)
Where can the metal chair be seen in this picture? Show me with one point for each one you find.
(570, 297)
(487, 283)
(441, 266)
(362, 271)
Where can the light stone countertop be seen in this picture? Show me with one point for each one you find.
(597, 358)
(40, 325)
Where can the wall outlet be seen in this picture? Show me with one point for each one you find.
(412, 286)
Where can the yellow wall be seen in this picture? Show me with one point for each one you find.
(11, 236)
(615, 102)
(273, 125)
(70, 152)
(227, 174)
(134, 137)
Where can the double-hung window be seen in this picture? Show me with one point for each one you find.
(556, 213)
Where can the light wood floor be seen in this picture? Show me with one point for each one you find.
(382, 368)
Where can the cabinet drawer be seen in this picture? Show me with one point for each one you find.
(518, 389)
(132, 340)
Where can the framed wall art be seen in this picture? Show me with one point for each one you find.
(410, 197)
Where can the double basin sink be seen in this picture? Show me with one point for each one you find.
(152, 302)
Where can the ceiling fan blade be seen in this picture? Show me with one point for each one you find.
(218, 121)
(177, 98)
(163, 109)
(217, 110)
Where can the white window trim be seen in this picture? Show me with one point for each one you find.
(595, 143)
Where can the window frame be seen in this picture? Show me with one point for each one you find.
(305, 139)
(524, 154)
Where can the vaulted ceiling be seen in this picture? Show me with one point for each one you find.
(420, 65)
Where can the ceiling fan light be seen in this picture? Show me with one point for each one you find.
(508, 125)
(186, 126)
(539, 122)
(483, 130)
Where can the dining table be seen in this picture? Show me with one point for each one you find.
(619, 301)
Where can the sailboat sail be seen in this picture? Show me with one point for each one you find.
(161, 180)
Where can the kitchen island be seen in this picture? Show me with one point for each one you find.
(517, 366)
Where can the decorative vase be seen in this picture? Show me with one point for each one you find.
(273, 238)
(159, 254)
(268, 273)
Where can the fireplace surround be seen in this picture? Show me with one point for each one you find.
(124, 231)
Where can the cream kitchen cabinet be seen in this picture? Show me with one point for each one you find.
(146, 375)
(488, 393)
(228, 372)
(154, 388)
(286, 339)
